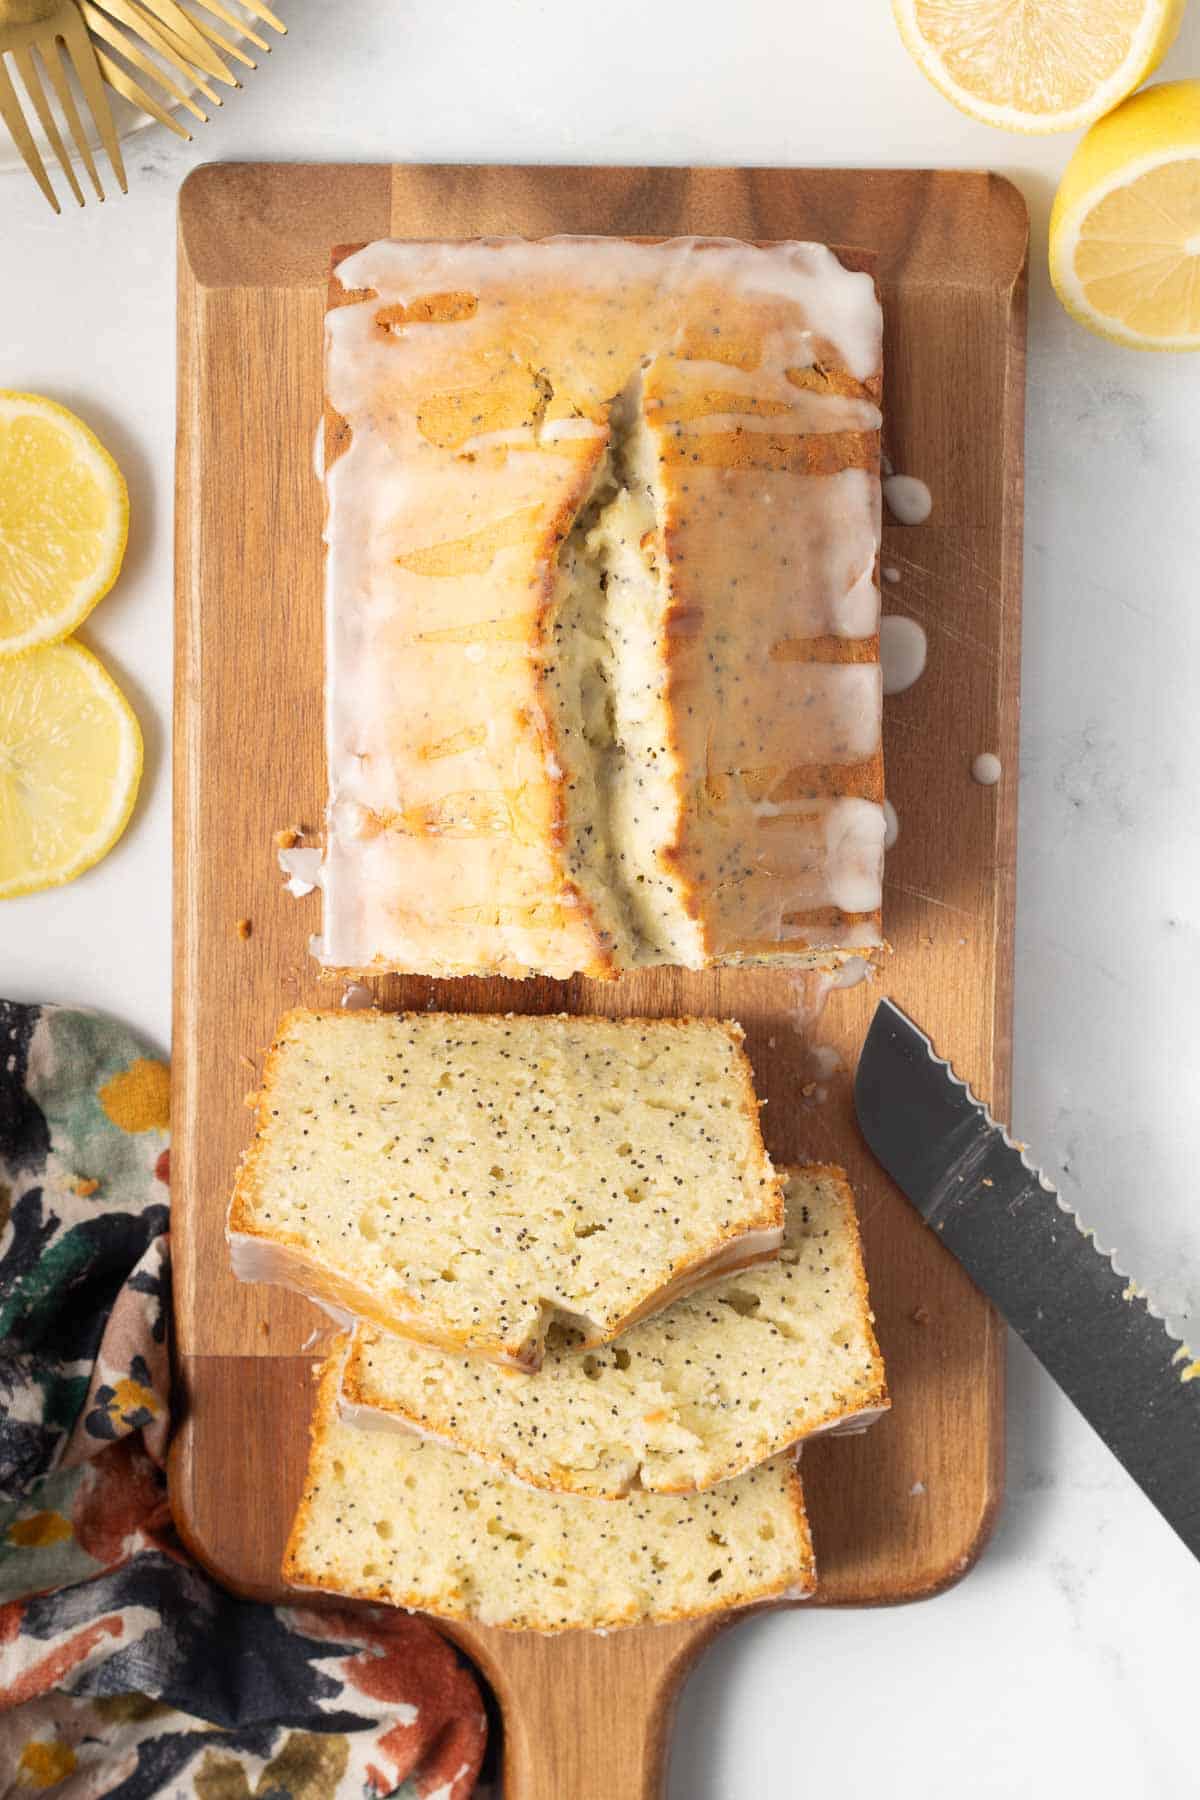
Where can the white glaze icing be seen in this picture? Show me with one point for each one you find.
(851, 973)
(357, 998)
(810, 990)
(854, 838)
(302, 866)
(891, 825)
(434, 831)
(909, 500)
(254, 1260)
(902, 652)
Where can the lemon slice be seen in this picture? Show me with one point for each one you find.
(1125, 227)
(1037, 65)
(64, 515)
(70, 762)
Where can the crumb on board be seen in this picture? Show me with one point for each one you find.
(244, 928)
(289, 838)
(919, 1315)
(85, 1186)
(988, 1182)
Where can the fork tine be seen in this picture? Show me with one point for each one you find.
(132, 90)
(164, 40)
(223, 13)
(221, 42)
(184, 49)
(265, 14)
(72, 34)
(198, 46)
(104, 28)
(200, 82)
(159, 38)
(22, 137)
(52, 63)
(41, 106)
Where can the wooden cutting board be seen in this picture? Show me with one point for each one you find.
(904, 1510)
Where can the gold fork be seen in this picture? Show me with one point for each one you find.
(183, 40)
(101, 37)
(52, 28)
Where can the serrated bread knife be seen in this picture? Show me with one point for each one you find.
(1089, 1326)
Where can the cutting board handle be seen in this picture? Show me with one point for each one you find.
(589, 1717)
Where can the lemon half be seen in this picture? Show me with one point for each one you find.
(1037, 65)
(64, 517)
(1125, 227)
(70, 763)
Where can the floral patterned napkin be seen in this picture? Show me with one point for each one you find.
(124, 1670)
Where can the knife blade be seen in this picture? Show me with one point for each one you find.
(1088, 1324)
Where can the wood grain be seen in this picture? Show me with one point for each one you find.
(588, 1716)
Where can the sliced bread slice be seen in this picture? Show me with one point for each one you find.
(391, 1517)
(717, 1382)
(464, 1179)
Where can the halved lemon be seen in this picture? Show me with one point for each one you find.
(70, 763)
(64, 517)
(1125, 227)
(1037, 65)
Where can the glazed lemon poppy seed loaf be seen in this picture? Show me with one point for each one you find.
(463, 1179)
(714, 1384)
(390, 1517)
(605, 515)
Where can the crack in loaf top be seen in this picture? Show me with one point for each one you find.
(469, 391)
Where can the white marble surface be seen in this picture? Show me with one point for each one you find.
(1064, 1663)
